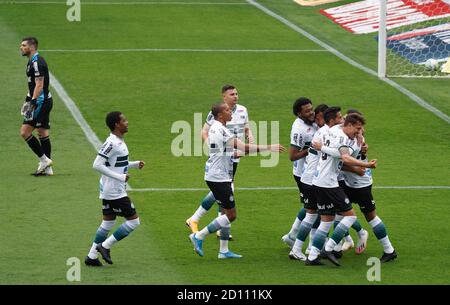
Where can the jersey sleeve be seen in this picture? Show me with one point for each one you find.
(107, 150)
(39, 67)
(340, 141)
(209, 118)
(297, 139)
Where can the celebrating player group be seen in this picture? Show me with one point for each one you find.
(330, 167)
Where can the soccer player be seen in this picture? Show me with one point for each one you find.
(219, 176)
(331, 116)
(112, 162)
(239, 127)
(37, 106)
(331, 199)
(358, 188)
(302, 132)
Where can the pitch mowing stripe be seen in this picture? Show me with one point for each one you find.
(72, 107)
(128, 3)
(283, 188)
(418, 100)
(185, 50)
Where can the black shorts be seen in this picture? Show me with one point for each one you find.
(223, 193)
(307, 194)
(362, 196)
(342, 184)
(119, 207)
(331, 200)
(299, 185)
(41, 116)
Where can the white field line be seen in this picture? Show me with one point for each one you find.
(127, 3)
(400, 88)
(72, 107)
(185, 50)
(282, 188)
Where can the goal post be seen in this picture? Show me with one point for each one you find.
(414, 38)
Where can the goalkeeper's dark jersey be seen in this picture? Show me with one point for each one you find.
(37, 67)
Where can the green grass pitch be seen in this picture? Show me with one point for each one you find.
(46, 221)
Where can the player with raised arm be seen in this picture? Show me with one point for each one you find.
(239, 127)
(219, 176)
(112, 162)
(302, 132)
(331, 199)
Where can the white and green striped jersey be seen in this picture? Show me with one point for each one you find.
(301, 137)
(312, 159)
(329, 167)
(236, 126)
(115, 151)
(219, 166)
(356, 181)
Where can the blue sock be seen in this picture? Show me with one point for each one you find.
(301, 214)
(208, 201)
(213, 226)
(100, 235)
(123, 231)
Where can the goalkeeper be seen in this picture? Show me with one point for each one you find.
(37, 106)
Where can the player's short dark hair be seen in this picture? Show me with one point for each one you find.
(351, 110)
(331, 113)
(112, 119)
(225, 88)
(299, 103)
(320, 108)
(354, 118)
(31, 41)
(217, 108)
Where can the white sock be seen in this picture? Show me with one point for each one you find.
(329, 246)
(361, 232)
(387, 245)
(314, 253)
(224, 246)
(44, 158)
(198, 214)
(349, 239)
(93, 253)
(107, 244)
(295, 228)
(338, 247)
(298, 246)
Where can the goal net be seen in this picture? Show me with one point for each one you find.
(415, 38)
